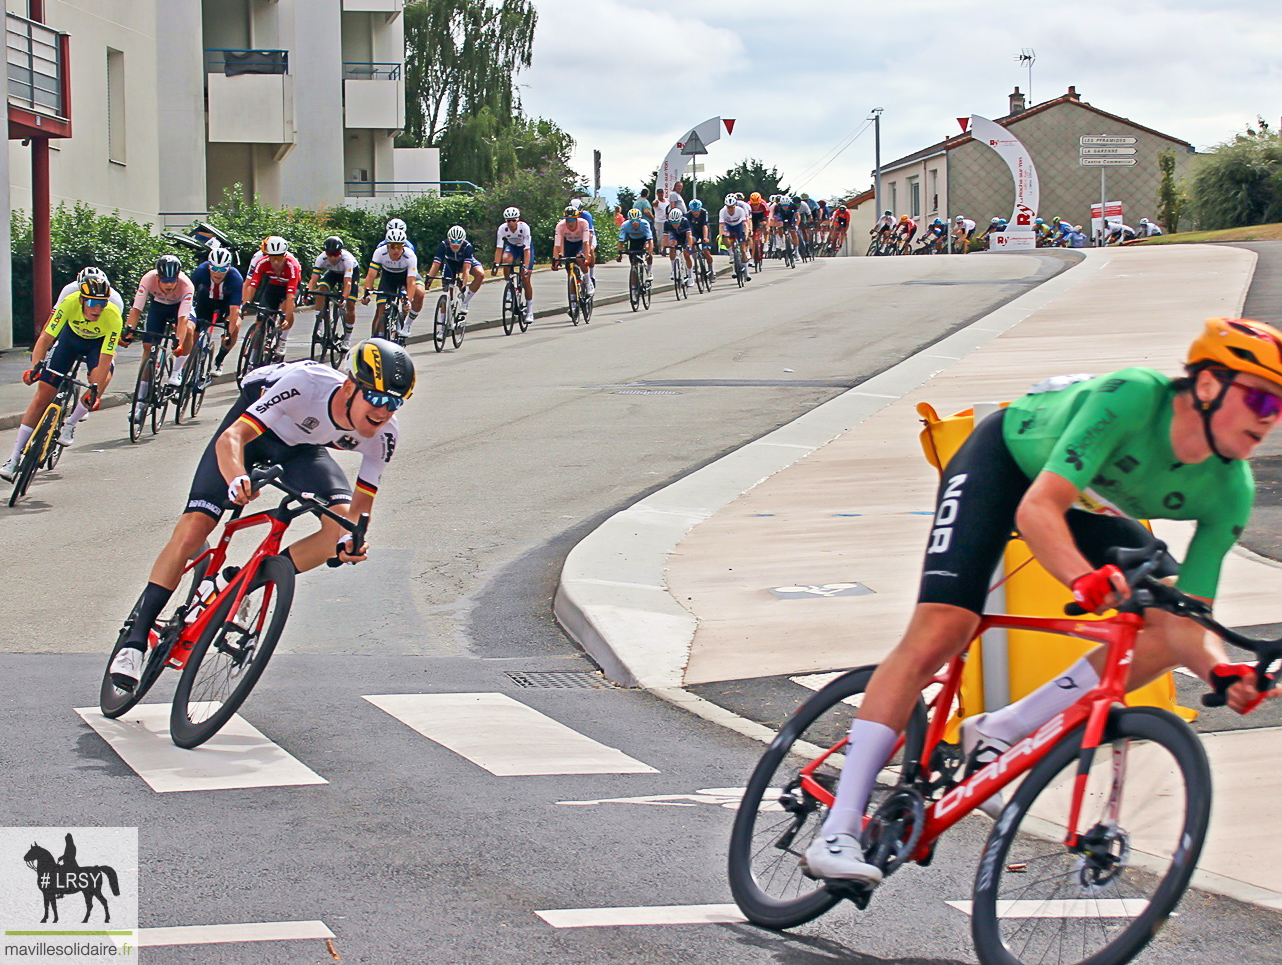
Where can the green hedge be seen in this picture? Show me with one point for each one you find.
(126, 250)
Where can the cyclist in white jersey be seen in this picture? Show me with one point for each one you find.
(335, 269)
(288, 414)
(734, 220)
(397, 267)
(515, 243)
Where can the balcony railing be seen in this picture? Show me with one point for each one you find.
(35, 66)
(388, 189)
(359, 71)
(233, 62)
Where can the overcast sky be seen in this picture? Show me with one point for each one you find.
(801, 76)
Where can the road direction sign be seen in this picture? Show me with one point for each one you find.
(693, 144)
(1106, 151)
(1104, 139)
(1087, 162)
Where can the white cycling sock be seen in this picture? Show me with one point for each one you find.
(467, 297)
(143, 389)
(866, 754)
(78, 413)
(1017, 721)
(529, 307)
(24, 433)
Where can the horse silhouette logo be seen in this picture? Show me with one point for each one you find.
(57, 879)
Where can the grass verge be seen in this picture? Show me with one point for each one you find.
(1260, 232)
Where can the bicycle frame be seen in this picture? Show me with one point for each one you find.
(1117, 633)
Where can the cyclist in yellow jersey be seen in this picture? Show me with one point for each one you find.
(86, 326)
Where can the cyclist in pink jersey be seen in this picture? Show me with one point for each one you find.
(171, 294)
(573, 236)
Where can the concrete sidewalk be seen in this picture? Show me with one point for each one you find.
(677, 590)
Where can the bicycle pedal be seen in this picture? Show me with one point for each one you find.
(860, 894)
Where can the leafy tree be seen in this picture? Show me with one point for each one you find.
(747, 176)
(462, 56)
(1170, 195)
(1240, 181)
(485, 148)
(627, 198)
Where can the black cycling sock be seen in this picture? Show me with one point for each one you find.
(153, 601)
(222, 356)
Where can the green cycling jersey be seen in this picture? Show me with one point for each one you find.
(1110, 436)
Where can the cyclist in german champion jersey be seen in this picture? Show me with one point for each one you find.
(219, 289)
(171, 294)
(1072, 466)
(515, 245)
(288, 414)
(334, 271)
(734, 221)
(84, 325)
(455, 257)
(395, 267)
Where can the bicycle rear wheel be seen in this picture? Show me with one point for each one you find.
(140, 402)
(34, 453)
(779, 817)
(440, 323)
(509, 307)
(231, 654)
(522, 310)
(251, 352)
(646, 291)
(572, 288)
(1144, 817)
(204, 371)
(114, 701)
(320, 334)
(458, 331)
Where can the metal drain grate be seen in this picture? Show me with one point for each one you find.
(560, 680)
(645, 392)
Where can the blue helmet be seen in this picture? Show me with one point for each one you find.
(696, 205)
(1038, 221)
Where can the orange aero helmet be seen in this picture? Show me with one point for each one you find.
(756, 197)
(1239, 344)
(903, 218)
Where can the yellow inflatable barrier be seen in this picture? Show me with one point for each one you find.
(1033, 657)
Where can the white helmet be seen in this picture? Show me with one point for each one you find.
(1143, 220)
(996, 221)
(92, 273)
(276, 245)
(577, 204)
(219, 257)
(456, 234)
(731, 200)
(738, 195)
(511, 214)
(785, 200)
(397, 223)
(396, 236)
(960, 219)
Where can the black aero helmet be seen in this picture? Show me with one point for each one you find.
(168, 267)
(93, 283)
(333, 244)
(382, 366)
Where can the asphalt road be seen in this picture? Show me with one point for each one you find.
(511, 449)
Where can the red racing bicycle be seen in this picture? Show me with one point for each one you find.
(224, 630)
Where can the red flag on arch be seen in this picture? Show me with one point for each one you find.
(964, 122)
(729, 123)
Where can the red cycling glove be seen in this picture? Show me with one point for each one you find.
(1225, 675)
(1092, 589)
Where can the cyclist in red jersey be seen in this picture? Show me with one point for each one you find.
(281, 273)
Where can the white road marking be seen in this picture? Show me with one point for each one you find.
(1064, 908)
(725, 797)
(264, 931)
(505, 736)
(238, 756)
(653, 915)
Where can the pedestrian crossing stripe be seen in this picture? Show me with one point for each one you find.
(1063, 908)
(504, 736)
(259, 931)
(237, 757)
(648, 915)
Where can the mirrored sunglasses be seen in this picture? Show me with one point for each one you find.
(96, 302)
(382, 400)
(1263, 403)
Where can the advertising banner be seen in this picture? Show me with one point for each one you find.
(677, 166)
(1024, 174)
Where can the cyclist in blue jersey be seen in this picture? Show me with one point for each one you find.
(635, 236)
(697, 215)
(219, 286)
(454, 257)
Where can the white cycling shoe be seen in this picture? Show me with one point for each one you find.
(839, 857)
(67, 436)
(980, 750)
(126, 668)
(9, 471)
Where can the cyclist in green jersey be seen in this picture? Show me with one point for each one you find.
(1073, 465)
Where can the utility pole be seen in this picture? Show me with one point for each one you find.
(876, 135)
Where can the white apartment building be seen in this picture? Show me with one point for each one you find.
(174, 101)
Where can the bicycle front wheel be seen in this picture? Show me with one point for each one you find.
(1144, 815)
(634, 287)
(231, 655)
(457, 332)
(780, 816)
(162, 365)
(572, 288)
(204, 371)
(441, 324)
(251, 352)
(509, 308)
(34, 452)
(320, 336)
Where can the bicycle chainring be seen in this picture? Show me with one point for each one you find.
(894, 829)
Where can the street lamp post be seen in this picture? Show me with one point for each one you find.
(876, 133)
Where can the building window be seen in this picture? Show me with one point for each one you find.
(894, 196)
(914, 198)
(934, 190)
(116, 105)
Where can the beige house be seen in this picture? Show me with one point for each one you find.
(959, 176)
